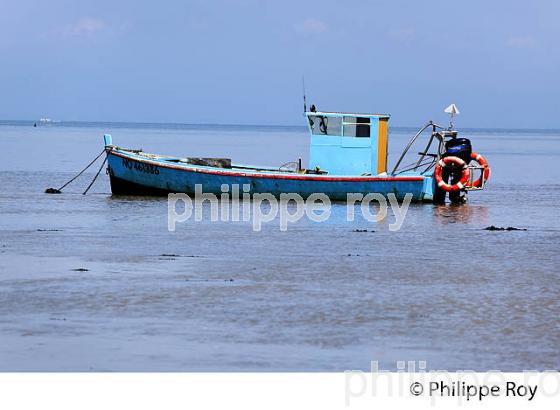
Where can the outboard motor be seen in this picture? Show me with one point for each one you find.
(453, 175)
(459, 147)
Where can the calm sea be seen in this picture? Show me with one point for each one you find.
(85, 284)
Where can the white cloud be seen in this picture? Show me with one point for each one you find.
(312, 26)
(84, 27)
(402, 35)
(522, 42)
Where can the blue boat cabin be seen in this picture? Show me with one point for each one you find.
(348, 144)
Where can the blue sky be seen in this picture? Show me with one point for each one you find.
(241, 61)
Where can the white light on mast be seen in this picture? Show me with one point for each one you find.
(452, 110)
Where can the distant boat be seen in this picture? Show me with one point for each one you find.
(46, 121)
(348, 154)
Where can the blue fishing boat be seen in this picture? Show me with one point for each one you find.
(348, 154)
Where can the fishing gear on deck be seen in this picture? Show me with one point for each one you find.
(59, 190)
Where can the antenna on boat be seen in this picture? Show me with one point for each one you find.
(452, 110)
(304, 101)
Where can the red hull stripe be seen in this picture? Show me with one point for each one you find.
(269, 176)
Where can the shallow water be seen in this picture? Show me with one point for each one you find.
(319, 297)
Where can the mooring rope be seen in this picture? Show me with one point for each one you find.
(95, 177)
(58, 191)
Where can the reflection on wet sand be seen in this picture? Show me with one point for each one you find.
(451, 213)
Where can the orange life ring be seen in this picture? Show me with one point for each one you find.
(485, 174)
(447, 161)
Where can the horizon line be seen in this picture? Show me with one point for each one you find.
(21, 122)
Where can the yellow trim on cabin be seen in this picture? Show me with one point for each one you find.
(382, 145)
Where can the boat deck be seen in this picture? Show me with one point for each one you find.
(187, 163)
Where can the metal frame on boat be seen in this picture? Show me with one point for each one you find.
(441, 135)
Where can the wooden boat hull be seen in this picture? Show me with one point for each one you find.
(137, 174)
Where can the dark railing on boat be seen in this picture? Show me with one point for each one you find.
(441, 135)
(433, 157)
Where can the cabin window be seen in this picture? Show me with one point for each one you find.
(323, 125)
(357, 127)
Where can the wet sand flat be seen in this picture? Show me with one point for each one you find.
(97, 283)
